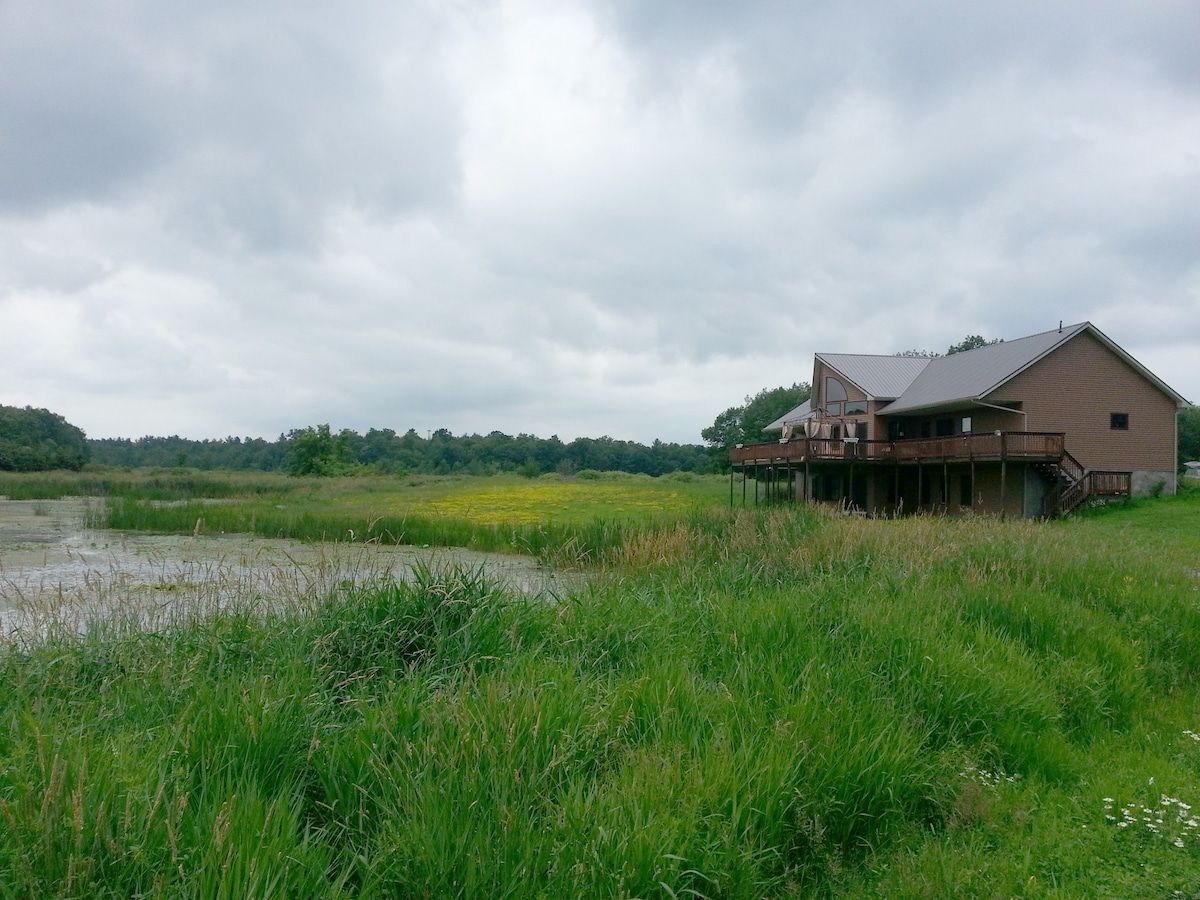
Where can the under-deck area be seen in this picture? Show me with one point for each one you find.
(1016, 473)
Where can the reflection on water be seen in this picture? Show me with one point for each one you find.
(56, 574)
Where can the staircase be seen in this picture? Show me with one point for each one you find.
(1073, 484)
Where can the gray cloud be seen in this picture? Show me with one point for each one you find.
(580, 217)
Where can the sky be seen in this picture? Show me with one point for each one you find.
(572, 217)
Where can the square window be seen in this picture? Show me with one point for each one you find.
(1119, 421)
(966, 425)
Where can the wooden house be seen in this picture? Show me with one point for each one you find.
(1029, 427)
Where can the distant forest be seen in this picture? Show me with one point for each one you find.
(322, 452)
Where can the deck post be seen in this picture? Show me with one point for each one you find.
(945, 484)
(807, 492)
(1003, 476)
(920, 485)
(972, 484)
(756, 484)
(731, 487)
(743, 487)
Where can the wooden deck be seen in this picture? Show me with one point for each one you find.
(1028, 446)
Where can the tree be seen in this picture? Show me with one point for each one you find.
(971, 342)
(33, 440)
(315, 451)
(1189, 434)
(744, 424)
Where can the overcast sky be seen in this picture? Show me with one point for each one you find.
(578, 217)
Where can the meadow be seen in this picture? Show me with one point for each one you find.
(737, 703)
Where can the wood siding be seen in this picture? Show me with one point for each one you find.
(1076, 389)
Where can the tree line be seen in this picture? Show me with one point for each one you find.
(318, 450)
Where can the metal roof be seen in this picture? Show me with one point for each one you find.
(879, 377)
(791, 417)
(975, 373)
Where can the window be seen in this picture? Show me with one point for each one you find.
(945, 427)
(895, 433)
(966, 424)
(1119, 421)
(860, 430)
(834, 390)
(833, 409)
(835, 433)
(854, 406)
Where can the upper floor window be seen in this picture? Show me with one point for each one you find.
(1119, 421)
(833, 409)
(966, 425)
(834, 389)
(854, 406)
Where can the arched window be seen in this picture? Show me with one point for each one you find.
(834, 390)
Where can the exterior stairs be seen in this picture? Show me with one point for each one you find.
(1073, 484)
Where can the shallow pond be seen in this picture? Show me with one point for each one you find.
(56, 573)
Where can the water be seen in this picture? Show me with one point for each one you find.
(56, 573)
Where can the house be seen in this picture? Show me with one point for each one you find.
(1029, 427)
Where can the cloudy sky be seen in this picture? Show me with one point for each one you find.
(579, 217)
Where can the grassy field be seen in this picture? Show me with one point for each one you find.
(564, 519)
(739, 704)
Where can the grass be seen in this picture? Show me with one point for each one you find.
(565, 519)
(739, 704)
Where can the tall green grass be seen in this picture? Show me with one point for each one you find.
(152, 486)
(741, 705)
(582, 542)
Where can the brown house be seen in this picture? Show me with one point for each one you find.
(1031, 427)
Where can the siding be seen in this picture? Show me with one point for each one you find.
(1077, 387)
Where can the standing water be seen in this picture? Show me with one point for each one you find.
(56, 573)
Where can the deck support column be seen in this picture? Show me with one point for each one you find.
(920, 485)
(807, 490)
(731, 487)
(743, 487)
(1003, 478)
(946, 484)
(972, 485)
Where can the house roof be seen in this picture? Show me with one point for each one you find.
(879, 377)
(792, 416)
(962, 377)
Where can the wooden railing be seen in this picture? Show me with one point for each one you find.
(1027, 445)
(1095, 484)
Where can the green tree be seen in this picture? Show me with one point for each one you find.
(315, 451)
(1189, 434)
(744, 424)
(972, 342)
(33, 440)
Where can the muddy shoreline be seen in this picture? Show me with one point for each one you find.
(57, 573)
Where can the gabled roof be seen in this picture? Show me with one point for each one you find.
(973, 374)
(792, 416)
(879, 377)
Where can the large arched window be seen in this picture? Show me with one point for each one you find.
(834, 390)
(835, 394)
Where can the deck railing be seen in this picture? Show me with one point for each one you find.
(1025, 445)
